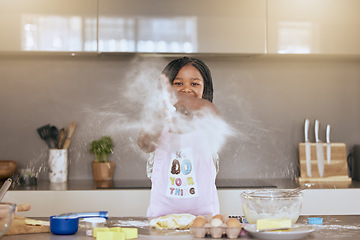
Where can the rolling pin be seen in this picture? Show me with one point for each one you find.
(23, 207)
(72, 127)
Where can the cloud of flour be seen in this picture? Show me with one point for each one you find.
(150, 94)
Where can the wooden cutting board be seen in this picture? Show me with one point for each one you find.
(19, 226)
(337, 170)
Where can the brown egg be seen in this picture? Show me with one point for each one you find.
(219, 216)
(233, 223)
(199, 222)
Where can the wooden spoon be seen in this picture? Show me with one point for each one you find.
(72, 127)
(61, 137)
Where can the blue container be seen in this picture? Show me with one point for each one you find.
(63, 226)
(315, 221)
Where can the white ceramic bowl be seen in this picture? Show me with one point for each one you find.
(271, 203)
(7, 212)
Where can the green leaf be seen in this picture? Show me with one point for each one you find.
(101, 148)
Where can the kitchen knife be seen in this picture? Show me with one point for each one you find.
(307, 148)
(328, 145)
(319, 150)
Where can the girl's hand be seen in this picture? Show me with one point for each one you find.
(148, 141)
(190, 105)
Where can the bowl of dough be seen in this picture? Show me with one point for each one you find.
(271, 203)
(7, 213)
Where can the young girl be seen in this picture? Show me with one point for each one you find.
(183, 167)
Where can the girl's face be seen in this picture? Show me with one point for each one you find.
(189, 81)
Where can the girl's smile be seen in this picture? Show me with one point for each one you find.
(189, 81)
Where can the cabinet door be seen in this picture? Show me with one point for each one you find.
(202, 26)
(314, 26)
(48, 25)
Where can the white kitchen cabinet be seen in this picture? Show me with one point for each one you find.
(314, 26)
(199, 26)
(43, 25)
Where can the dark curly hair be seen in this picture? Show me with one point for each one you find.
(172, 69)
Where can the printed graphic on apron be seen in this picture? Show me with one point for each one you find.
(181, 178)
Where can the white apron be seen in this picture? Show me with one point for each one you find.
(183, 177)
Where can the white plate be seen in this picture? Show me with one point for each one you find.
(297, 232)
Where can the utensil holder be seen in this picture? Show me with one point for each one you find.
(58, 165)
(58, 186)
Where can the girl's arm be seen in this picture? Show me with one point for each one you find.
(148, 139)
(191, 105)
(187, 105)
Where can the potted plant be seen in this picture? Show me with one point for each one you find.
(102, 168)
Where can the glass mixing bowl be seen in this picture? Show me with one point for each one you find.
(7, 212)
(271, 203)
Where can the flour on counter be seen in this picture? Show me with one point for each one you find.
(129, 223)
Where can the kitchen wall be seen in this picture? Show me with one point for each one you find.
(264, 98)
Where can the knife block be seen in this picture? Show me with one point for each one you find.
(337, 170)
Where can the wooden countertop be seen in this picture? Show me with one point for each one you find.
(333, 227)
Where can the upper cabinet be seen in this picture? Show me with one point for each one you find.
(314, 26)
(187, 26)
(48, 25)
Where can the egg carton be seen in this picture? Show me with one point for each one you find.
(216, 226)
(215, 232)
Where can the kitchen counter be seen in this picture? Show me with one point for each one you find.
(126, 198)
(333, 227)
(44, 185)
